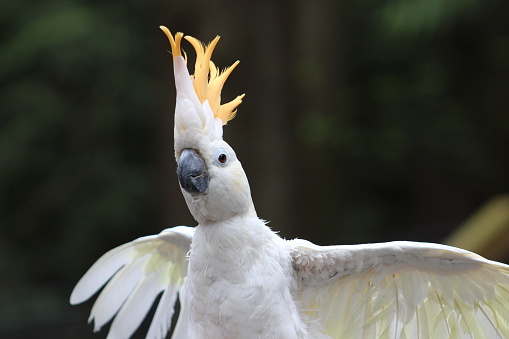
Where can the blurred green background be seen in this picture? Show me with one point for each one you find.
(363, 121)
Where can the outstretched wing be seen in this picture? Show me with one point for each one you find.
(139, 272)
(401, 290)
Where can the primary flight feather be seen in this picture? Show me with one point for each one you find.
(235, 278)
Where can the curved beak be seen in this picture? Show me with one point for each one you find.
(192, 172)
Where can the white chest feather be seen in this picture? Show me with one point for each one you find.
(239, 283)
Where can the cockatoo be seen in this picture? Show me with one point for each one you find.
(236, 278)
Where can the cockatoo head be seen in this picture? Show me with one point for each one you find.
(212, 180)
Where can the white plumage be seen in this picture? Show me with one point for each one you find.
(235, 278)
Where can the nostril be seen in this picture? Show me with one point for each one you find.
(199, 175)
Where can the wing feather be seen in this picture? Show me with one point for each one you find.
(401, 290)
(135, 274)
(180, 331)
(115, 293)
(135, 307)
(164, 312)
(100, 273)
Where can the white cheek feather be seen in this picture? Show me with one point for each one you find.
(229, 195)
(239, 181)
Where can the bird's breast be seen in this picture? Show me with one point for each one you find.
(240, 292)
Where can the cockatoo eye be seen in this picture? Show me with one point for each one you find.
(221, 157)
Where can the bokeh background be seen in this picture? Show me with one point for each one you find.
(363, 121)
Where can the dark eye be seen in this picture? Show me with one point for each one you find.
(222, 158)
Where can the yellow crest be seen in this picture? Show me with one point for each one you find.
(208, 80)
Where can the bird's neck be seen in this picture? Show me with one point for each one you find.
(233, 240)
(237, 230)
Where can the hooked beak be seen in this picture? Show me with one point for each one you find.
(192, 172)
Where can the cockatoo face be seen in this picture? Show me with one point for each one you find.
(212, 180)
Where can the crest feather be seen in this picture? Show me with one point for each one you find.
(208, 79)
(175, 43)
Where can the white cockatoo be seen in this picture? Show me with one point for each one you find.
(235, 278)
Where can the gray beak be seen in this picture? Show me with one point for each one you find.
(192, 172)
